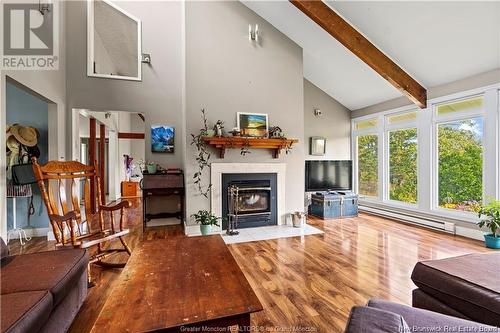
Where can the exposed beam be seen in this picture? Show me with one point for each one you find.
(124, 135)
(355, 42)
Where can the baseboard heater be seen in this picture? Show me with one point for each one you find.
(447, 227)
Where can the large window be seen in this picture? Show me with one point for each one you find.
(460, 164)
(442, 160)
(403, 165)
(367, 150)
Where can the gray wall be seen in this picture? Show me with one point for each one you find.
(225, 74)
(334, 124)
(159, 95)
(51, 86)
(476, 81)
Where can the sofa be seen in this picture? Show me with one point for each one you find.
(41, 292)
(388, 317)
(466, 287)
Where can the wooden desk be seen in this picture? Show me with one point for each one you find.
(158, 185)
(170, 285)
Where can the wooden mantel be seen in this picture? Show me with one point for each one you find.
(236, 142)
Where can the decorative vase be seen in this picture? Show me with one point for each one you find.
(210, 132)
(206, 229)
(491, 241)
(151, 168)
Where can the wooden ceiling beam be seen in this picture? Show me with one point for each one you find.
(355, 42)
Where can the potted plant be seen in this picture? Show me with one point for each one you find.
(206, 220)
(151, 167)
(491, 220)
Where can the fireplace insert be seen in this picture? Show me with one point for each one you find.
(256, 200)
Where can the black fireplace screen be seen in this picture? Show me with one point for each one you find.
(257, 199)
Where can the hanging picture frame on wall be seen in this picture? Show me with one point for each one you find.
(162, 139)
(317, 146)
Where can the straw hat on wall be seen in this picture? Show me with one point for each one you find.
(25, 135)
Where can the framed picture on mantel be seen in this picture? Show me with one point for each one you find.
(317, 146)
(252, 124)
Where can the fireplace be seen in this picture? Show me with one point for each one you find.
(256, 200)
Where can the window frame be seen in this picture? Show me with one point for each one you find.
(411, 124)
(446, 119)
(427, 147)
(356, 165)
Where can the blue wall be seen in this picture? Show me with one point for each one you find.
(28, 110)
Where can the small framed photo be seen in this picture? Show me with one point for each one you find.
(162, 139)
(253, 124)
(317, 146)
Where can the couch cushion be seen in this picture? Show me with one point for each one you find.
(4, 249)
(468, 284)
(370, 320)
(427, 321)
(56, 271)
(25, 311)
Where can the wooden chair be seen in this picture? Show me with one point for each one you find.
(71, 226)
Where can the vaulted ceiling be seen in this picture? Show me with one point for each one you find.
(434, 42)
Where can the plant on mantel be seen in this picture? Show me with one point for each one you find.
(202, 158)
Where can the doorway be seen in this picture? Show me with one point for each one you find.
(123, 135)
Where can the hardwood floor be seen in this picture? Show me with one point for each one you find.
(309, 282)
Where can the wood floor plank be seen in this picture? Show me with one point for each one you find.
(309, 281)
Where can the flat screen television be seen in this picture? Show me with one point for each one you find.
(328, 175)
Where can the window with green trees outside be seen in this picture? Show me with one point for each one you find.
(403, 165)
(460, 169)
(368, 165)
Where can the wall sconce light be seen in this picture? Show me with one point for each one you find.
(146, 58)
(318, 112)
(253, 33)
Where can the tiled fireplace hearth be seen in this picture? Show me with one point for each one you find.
(256, 175)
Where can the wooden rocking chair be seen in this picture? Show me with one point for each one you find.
(72, 227)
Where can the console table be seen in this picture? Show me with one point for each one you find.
(162, 185)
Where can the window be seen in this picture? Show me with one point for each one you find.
(460, 163)
(402, 117)
(366, 124)
(438, 161)
(367, 152)
(468, 105)
(403, 165)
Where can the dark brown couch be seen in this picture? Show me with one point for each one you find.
(467, 287)
(387, 317)
(41, 292)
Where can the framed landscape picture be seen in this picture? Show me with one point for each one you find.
(162, 139)
(253, 124)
